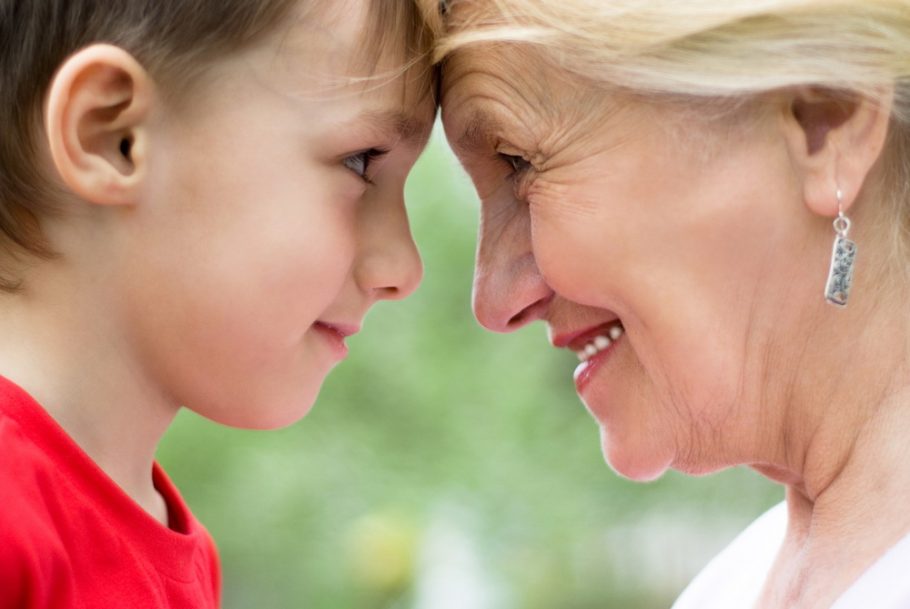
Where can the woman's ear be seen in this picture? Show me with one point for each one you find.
(835, 138)
(96, 116)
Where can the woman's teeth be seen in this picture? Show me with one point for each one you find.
(600, 343)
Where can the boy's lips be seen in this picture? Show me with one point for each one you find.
(335, 333)
(342, 329)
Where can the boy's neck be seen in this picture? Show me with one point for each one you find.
(74, 363)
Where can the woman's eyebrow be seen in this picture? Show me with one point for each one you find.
(476, 133)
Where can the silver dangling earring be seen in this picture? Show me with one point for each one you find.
(843, 257)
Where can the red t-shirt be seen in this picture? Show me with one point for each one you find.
(71, 538)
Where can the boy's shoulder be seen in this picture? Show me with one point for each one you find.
(26, 478)
(30, 545)
(70, 536)
(28, 470)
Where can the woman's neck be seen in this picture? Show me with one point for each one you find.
(847, 507)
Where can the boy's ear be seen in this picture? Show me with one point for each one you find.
(834, 139)
(96, 117)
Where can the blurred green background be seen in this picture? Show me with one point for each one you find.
(447, 467)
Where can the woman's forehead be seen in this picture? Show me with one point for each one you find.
(485, 90)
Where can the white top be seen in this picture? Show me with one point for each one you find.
(734, 578)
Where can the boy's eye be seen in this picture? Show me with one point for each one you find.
(360, 163)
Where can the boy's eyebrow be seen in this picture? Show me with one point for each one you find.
(407, 127)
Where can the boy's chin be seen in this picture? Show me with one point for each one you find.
(267, 415)
(279, 421)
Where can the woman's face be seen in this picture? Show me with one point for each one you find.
(600, 210)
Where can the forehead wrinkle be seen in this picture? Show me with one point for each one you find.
(554, 110)
(500, 110)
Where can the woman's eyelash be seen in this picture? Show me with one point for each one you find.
(518, 164)
(360, 162)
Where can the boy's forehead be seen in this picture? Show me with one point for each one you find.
(321, 55)
(317, 60)
(317, 41)
(349, 36)
(335, 48)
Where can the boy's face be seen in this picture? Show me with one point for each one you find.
(267, 228)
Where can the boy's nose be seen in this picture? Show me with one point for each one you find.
(509, 290)
(389, 267)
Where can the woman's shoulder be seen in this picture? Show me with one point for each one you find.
(885, 585)
(734, 577)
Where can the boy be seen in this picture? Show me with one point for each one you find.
(199, 201)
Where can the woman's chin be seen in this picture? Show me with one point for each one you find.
(633, 463)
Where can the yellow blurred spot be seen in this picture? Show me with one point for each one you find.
(381, 549)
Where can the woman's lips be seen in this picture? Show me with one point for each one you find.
(334, 335)
(579, 338)
(594, 351)
(585, 371)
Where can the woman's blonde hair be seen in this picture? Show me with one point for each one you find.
(717, 49)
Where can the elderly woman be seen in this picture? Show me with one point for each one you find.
(708, 201)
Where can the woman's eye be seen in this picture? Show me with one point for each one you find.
(518, 164)
(360, 163)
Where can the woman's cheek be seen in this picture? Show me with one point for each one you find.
(571, 247)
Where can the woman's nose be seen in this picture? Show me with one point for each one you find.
(389, 265)
(509, 290)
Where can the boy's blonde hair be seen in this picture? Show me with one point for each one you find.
(176, 40)
(710, 50)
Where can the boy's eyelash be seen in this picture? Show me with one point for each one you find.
(359, 163)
